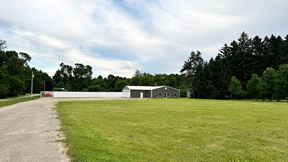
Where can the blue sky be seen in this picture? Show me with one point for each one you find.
(119, 36)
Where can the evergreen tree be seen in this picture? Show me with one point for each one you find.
(193, 68)
(241, 58)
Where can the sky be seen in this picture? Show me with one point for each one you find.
(119, 36)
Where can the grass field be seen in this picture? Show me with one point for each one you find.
(11, 101)
(175, 130)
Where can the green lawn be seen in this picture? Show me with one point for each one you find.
(175, 130)
(11, 101)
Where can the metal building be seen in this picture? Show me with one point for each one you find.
(150, 92)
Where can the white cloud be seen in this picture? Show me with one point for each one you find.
(154, 33)
(102, 66)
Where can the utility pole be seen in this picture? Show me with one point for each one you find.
(32, 84)
(44, 85)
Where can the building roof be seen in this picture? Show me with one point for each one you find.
(143, 87)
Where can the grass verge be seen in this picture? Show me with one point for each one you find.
(11, 101)
(175, 130)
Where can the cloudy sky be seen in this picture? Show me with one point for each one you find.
(118, 36)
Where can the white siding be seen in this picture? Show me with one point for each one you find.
(126, 93)
(87, 94)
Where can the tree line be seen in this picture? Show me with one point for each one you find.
(245, 68)
(79, 78)
(16, 74)
(235, 65)
(273, 84)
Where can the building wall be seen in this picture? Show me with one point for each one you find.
(168, 91)
(125, 93)
(87, 94)
(136, 93)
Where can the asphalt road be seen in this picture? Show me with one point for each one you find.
(29, 131)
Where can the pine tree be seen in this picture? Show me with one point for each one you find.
(193, 68)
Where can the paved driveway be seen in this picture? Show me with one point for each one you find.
(29, 132)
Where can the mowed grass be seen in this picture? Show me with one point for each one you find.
(11, 101)
(175, 130)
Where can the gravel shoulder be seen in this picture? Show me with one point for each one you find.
(29, 131)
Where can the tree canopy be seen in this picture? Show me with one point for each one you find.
(241, 58)
(15, 74)
(249, 67)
